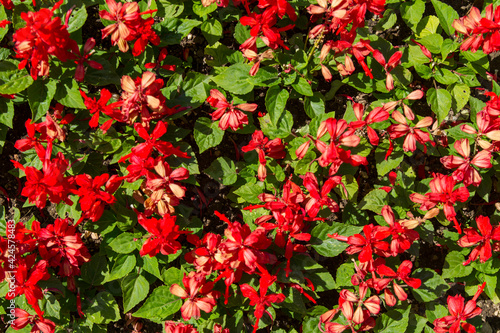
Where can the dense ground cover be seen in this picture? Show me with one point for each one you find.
(234, 166)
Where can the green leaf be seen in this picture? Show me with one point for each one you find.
(460, 93)
(7, 113)
(212, 30)
(3, 16)
(40, 94)
(446, 15)
(207, 134)
(374, 201)
(51, 306)
(445, 76)
(201, 10)
(427, 26)
(432, 42)
(102, 77)
(453, 267)
(94, 271)
(250, 191)
(315, 105)
(433, 285)
(235, 79)
(384, 166)
(159, 305)
(282, 129)
(344, 275)
(393, 321)
(77, 19)
(103, 309)
(186, 26)
(327, 246)
(68, 94)
(440, 101)
(171, 276)
(302, 87)
(16, 84)
(124, 243)
(276, 99)
(412, 12)
(123, 265)
(169, 8)
(223, 170)
(135, 288)
(150, 265)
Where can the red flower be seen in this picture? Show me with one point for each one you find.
(245, 245)
(95, 107)
(260, 299)
(402, 237)
(62, 247)
(365, 246)
(403, 274)
(161, 57)
(229, 115)
(459, 314)
(27, 277)
(92, 198)
(173, 327)
(465, 171)
(377, 115)
(49, 181)
(442, 191)
(482, 33)
(412, 134)
(264, 147)
(195, 285)
(143, 97)
(126, 17)
(144, 150)
(84, 59)
(39, 323)
(42, 36)
(472, 237)
(317, 199)
(394, 61)
(163, 235)
(204, 256)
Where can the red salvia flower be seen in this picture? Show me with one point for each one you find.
(377, 115)
(443, 192)
(92, 199)
(465, 171)
(260, 299)
(318, 198)
(246, 245)
(402, 237)
(27, 276)
(402, 274)
(264, 147)
(173, 327)
(198, 295)
(42, 36)
(366, 246)
(459, 314)
(95, 107)
(411, 134)
(84, 59)
(61, 246)
(229, 115)
(163, 235)
(39, 323)
(483, 249)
